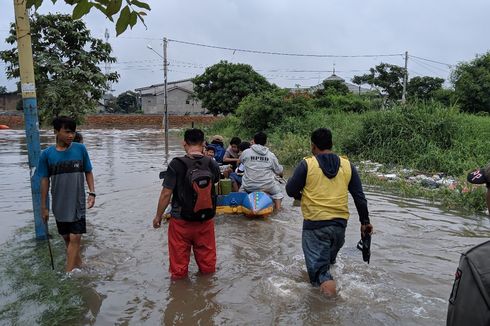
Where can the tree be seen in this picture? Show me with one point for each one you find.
(127, 102)
(471, 82)
(222, 86)
(128, 16)
(423, 88)
(333, 87)
(3, 89)
(386, 78)
(265, 110)
(66, 65)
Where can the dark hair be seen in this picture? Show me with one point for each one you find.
(210, 148)
(243, 146)
(194, 136)
(260, 138)
(78, 137)
(64, 122)
(322, 138)
(235, 141)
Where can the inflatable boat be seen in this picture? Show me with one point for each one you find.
(254, 204)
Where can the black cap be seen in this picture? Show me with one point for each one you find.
(479, 176)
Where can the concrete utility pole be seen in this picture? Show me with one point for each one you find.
(31, 121)
(405, 79)
(165, 104)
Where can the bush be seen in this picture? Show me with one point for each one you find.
(345, 103)
(264, 111)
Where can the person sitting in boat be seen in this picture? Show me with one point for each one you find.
(209, 151)
(231, 156)
(219, 150)
(236, 176)
(260, 167)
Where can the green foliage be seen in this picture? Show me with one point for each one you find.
(471, 82)
(222, 86)
(127, 102)
(333, 87)
(66, 65)
(428, 137)
(346, 103)
(3, 89)
(444, 96)
(423, 88)
(263, 111)
(128, 16)
(387, 78)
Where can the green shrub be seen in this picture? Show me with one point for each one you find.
(261, 112)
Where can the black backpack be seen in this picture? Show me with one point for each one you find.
(469, 303)
(197, 195)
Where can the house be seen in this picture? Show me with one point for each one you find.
(8, 101)
(356, 89)
(180, 98)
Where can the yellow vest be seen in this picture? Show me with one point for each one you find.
(323, 198)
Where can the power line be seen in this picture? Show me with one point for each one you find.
(285, 53)
(434, 61)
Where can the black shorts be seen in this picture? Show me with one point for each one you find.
(77, 227)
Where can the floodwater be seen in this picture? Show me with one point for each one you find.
(261, 277)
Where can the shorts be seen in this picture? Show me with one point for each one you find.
(273, 189)
(320, 247)
(77, 227)
(236, 178)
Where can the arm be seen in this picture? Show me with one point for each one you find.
(89, 176)
(298, 181)
(488, 199)
(230, 160)
(163, 202)
(276, 167)
(44, 198)
(355, 189)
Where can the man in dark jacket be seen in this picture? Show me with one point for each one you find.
(322, 183)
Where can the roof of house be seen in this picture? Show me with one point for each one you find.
(168, 91)
(162, 84)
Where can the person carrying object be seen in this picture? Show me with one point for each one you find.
(322, 183)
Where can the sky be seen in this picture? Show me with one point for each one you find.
(445, 31)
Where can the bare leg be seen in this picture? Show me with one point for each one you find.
(277, 203)
(328, 288)
(235, 187)
(73, 259)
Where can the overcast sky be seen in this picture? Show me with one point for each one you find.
(446, 31)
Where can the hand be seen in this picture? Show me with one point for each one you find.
(45, 214)
(157, 222)
(366, 228)
(90, 201)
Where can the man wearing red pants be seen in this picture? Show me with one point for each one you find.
(189, 182)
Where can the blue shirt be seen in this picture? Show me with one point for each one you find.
(66, 170)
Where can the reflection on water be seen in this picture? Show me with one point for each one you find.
(260, 278)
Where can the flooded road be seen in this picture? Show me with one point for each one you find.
(261, 277)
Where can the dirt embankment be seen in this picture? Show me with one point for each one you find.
(125, 121)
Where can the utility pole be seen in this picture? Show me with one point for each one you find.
(165, 104)
(405, 79)
(31, 122)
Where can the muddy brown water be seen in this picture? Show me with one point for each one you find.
(261, 277)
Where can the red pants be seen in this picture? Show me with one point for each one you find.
(182, 235)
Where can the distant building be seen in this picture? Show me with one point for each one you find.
(8, 101)
(353, 88)
(180, 98)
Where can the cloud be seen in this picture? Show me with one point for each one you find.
(448, 31)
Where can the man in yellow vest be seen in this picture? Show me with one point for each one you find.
(322, 183)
